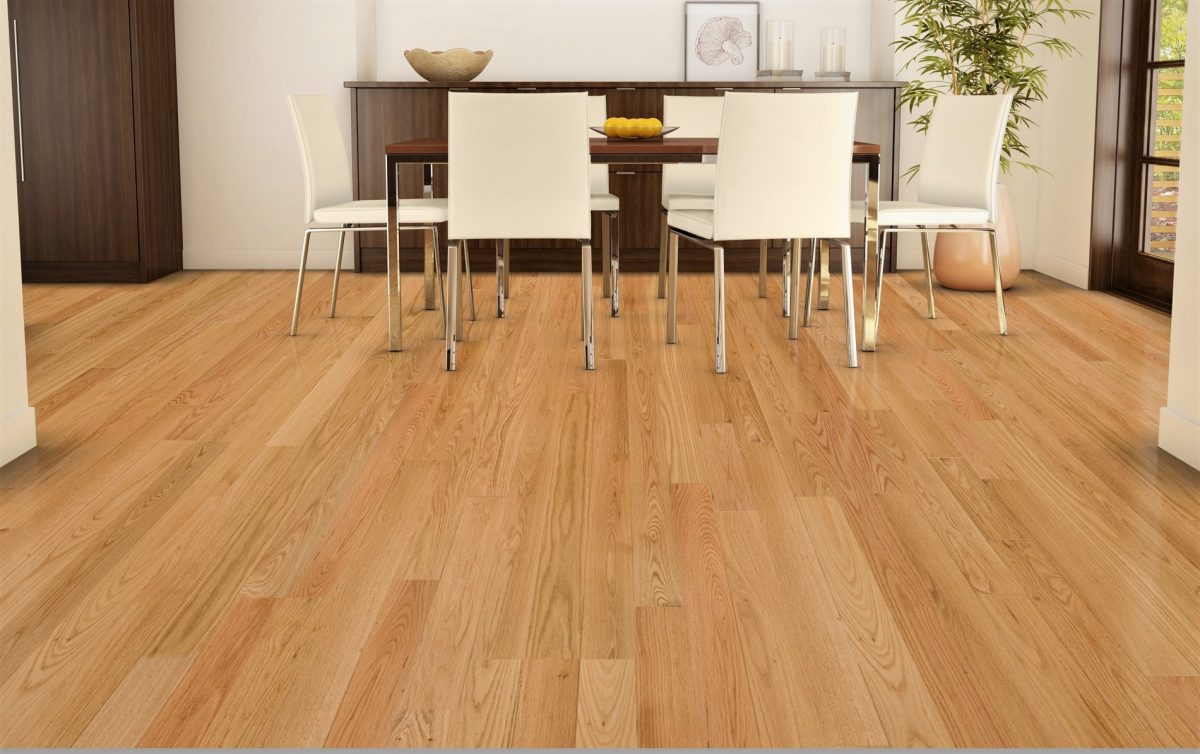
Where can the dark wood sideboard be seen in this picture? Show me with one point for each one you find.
(386, 112)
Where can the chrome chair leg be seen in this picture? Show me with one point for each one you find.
(466, 255)
(664, 242)
(589, 338)
(763, 244)
(615, 264)
(507, 268)
(793, 292)
(605, 260)
(789, 248)
(437, 272)
(883, 251)
(300, 282)
(337, 272)
(823, 299)
(848, 295)
(928, 271)
(719, 302)
(810, 289)
(453, 324)
(1000, 312)
(672, 288)
(501, 293)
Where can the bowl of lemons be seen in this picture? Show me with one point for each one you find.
(633, 128)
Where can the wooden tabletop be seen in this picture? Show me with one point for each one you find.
(645, 147)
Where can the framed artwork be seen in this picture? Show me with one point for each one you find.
(720, 41)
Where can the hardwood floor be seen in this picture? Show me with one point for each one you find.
(232, 537)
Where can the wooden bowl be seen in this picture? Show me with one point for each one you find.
(449, 65)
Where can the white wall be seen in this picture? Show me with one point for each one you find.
(592, 40)
(1179, 420)
(243, 192)
(17, 433)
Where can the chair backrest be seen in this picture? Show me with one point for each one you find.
(784, 165)
(322, 151)
(597, 114)
(961, 160)
(519, 166)
(697, 117)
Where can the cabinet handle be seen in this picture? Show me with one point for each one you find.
(625, 172)
(16, 44)
(722, 88)
(526, 88)
(792, 89)
(626, 89)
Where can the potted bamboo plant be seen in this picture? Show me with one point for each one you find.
(981, 47)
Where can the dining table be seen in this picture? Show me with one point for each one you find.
(428, 152)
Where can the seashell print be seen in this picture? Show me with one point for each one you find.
(720, 39)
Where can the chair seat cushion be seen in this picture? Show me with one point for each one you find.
(605, 203)
(698, 222)
(919, 213)
(374, 212)
(687, 201)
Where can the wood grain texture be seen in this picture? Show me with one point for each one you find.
(231, 537)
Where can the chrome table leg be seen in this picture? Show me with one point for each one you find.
(848, 295)
(615, 266)
(871, 268)
(395, 321)
(672, 287)
(790, 249)
(719, 302)
(455, 320)
(501, 293)
(430, 245)
(793, 290)
(589, 338)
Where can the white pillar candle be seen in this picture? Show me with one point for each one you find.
(779, 54)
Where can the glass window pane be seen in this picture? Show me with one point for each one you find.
(1166, 112)
(1171, 30)
(1160, 211)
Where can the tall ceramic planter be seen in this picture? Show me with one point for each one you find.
(963, 261)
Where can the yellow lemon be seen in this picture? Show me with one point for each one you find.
(625, 128)
(657, 126)
(610, 126)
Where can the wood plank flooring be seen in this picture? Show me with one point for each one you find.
(233, 537)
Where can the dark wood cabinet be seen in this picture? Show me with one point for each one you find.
(386, 112)
(97, 139)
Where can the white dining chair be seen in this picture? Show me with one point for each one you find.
(508, 180)
(687, 185)
(956, 185)
(609, 206)
(329, 205)
(783, 172)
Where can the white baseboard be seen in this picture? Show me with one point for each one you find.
(18, 434)
(1065, 270)
(259, 259)
(1179, 436)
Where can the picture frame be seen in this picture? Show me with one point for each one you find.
(720, 41)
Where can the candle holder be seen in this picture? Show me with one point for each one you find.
(781, 37)
(833, 54)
